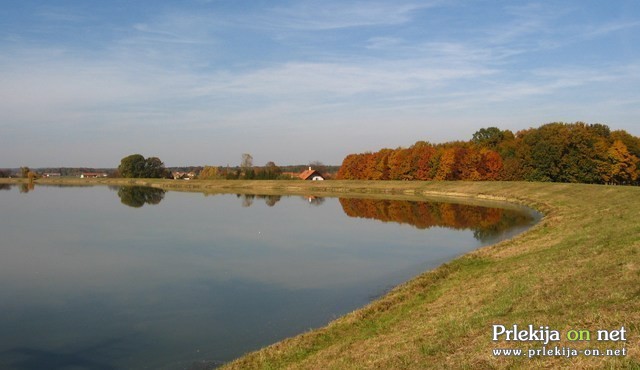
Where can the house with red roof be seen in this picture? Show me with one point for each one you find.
(311, 174)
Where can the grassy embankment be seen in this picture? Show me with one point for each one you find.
(577, 269)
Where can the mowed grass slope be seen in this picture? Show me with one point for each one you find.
(578, 269)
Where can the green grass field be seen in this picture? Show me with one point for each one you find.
(578, 269)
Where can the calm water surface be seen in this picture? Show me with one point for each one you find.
(111, 278)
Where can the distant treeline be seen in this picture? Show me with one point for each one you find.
(298, 168)
(63, 171)
(268, 172)
(256, 172)
(556, 152)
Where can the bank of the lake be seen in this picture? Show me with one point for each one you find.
(578, 269)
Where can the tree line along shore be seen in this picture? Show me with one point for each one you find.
(554, 152)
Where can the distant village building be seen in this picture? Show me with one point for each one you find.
(92, 175)
(311, 174)
(183, 175)
(51, 174)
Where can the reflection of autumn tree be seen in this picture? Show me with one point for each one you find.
(25, 188)
(485, 222)
(508, 219)
(138, 196)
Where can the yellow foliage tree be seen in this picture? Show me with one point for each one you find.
(208, 173)
(620, 166)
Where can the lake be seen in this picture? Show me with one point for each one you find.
(139, 278)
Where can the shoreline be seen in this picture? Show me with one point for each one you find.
(397, 190)
(576, 268)
(295, 187)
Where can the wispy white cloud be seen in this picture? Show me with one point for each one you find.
(531, 19)
(149, 34)
(53, 13)
(349, 78)
(326, 15)
(168, 39)
(609, 28)
(385, 43)
(185, 75)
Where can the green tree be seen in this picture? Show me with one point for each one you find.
(271, 171)
(580, 158)
(132, 166)
(154, 169)
(136, 166)
(547, 146)
(489, 137)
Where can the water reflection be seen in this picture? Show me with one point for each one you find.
(33, 358)
(272, 200)
(314, 201)
(485, 222)
(25, 188)
(269, 200)
(89, 283)
(138, 196)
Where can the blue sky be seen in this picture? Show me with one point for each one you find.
(196, 82)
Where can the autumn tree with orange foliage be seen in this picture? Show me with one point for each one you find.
(620, 168)
(555, 152)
